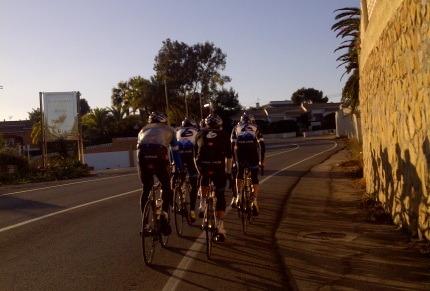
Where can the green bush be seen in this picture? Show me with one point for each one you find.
(58, 168)
(9, 157)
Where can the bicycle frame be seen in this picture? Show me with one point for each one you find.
(210, 220)
(245, 207)
(151, 228)
(181, 206)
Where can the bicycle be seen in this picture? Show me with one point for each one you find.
(151, 225)
(244, 208)
(181, 205)
(210, 220)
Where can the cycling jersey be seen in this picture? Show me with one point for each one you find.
(186, 137)
(247, 140)
(158, 133)
(212, 146)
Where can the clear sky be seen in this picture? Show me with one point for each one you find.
(273, 47)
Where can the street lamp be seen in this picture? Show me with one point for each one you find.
(210, 107)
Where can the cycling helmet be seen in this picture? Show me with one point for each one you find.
(247, 118)
(213, 121)
(189, 122)
(157, 117)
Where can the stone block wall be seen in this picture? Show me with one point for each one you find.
(395, 115)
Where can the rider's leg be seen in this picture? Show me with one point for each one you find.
(255, 182)
(146, 178)
(192, 171)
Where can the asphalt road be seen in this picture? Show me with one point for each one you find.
(83, 234)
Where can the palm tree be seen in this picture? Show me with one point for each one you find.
(36, 132)
(348, 27)
(97, 124)
(116, 114)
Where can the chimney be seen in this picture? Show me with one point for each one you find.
(257, 105)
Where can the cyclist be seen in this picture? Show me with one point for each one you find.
(186, 136)
(153, 143)
(213, 157)
(248, 146)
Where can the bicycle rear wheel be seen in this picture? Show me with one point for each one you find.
(186, 202)
(239, 205)
(178, 209)
(250, 206)
(149, 232)
(208, 220)
(244, 210)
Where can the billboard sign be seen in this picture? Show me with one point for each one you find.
(61, 115)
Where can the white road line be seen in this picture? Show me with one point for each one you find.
(63, 185)
(65, 210)
(175, 279)
(290, 150)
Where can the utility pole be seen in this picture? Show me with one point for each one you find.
(186, 104)
(167, 103)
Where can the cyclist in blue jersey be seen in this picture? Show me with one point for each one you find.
(248, 146)
(186, 136)
(153, 143)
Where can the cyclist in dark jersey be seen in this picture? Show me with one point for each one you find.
(186, 136)
(153, 143)
(213, 157)
(248, 146)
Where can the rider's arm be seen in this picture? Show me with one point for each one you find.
(228, 165)
(175, 153)
(262, 146)
(233, 140)
(228, 156)
(262, 150)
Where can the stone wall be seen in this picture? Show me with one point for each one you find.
(395, 115)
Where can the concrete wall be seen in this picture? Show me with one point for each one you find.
(111, 160)
(395, 110)
(113, 156)
(121, 153)
(348, 125)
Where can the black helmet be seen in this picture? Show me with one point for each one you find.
(157, 117)
(213, 121)
(247, 118)
(189, 122)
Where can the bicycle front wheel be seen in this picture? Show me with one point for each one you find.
(149, 232)
(178, 209)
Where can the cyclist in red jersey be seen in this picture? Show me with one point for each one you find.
(153, 143)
